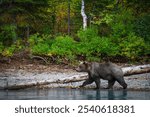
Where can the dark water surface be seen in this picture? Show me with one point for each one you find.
(73, 94)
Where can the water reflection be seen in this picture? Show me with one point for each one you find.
(104, 94)
(120, 94)
(73, 94)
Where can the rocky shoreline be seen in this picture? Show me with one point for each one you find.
(42, 76)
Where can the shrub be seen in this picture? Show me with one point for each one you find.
(132, 47)
(9, 51)
(88, 43)
(142, 27)
(8, 34)
(64, 47)
(94, 47)
(40, 49)
(121, 25)
(40, 45)
(87, 35)
(1, 47)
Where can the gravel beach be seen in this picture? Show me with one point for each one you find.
(47, 77)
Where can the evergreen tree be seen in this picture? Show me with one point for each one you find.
(18, 16)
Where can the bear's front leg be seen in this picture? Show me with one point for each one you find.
(97, 82)
(88, 81)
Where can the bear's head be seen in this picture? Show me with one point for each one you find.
(83, 67)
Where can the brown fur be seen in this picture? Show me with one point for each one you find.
(107, 71)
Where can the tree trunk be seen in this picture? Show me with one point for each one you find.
(28, 32)
(83, 15)
(68, 17)
(136, 70)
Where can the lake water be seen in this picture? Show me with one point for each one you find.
(73, 94)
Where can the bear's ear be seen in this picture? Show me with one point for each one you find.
(81, 62)
(87, 65)
(85, 62)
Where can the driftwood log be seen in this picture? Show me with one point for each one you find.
(136, 70)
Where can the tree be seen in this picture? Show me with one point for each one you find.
(83, 15)
(68, 17)
(21, 14)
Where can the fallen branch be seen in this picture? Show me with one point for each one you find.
(76, 78)
(136, 70)
(39, 57)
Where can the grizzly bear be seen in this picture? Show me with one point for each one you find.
(106, 71)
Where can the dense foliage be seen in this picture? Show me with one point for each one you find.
(116, 29)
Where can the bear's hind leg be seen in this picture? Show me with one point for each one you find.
(111, 84)
(122, 82)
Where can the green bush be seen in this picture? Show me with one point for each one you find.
(147, 50)
(124, 44)
(1, 47)
(9, 51)
(88, 44)
(94, 47)
(121, 25)
(8, 34)
(87, 35)
(127, 43)
(132, 47)
(142, 27)
(40, 49)
(64, 47)
(40, 45)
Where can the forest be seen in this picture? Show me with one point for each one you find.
(54, 30)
